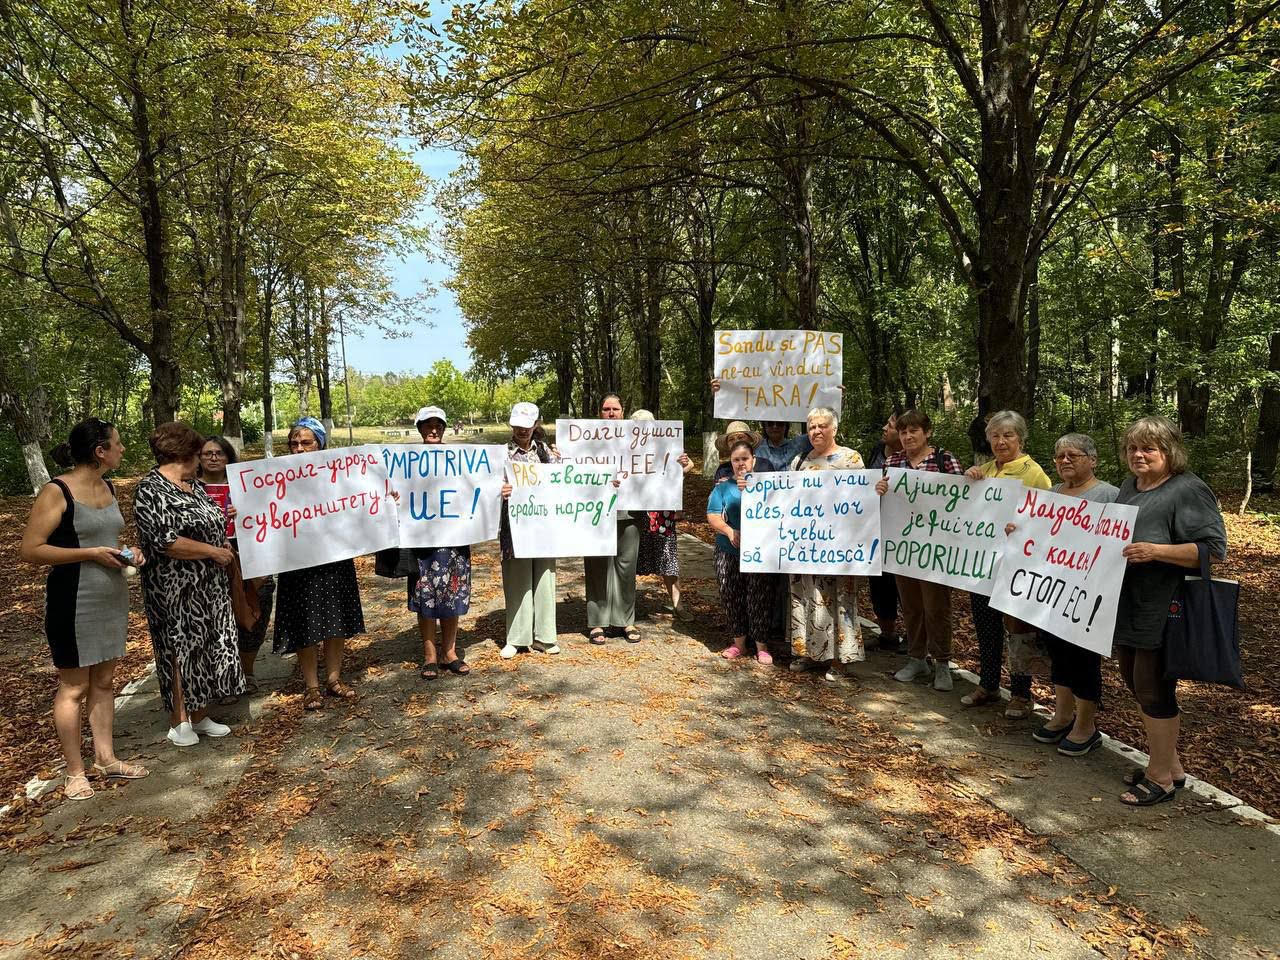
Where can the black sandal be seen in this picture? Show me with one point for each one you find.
(1149, 793)
(1137, 775)
(632, 634)
(596, 636)
(430, 671)
(458, 666)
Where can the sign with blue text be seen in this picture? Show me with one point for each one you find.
(824, 522)
(450, 494)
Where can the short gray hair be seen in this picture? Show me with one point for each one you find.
(1008, 418)
(1079, 441)
(823, 413)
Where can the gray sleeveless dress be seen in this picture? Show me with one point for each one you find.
(86, 605)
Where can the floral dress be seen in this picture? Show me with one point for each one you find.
(442, 589)
(658, 544)
(188, 602)
(824, 610)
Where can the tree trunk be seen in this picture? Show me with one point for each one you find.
(324, 389)
(1267, 443)
(266, 312)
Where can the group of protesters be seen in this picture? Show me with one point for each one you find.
(207, 623)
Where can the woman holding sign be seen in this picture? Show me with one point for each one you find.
(824, 610)
(441, 589)
(1177, 513)
(926, 606)
(317, 605)
(184, 586)
(747, 597)
(658, 553)
(1007, 434)
(528, 585)
(216, 454)
(1077, 672)
(75, 529)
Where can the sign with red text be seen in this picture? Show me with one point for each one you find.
(450, 494)
(945, 528)
(824, 522)
(644, 453)
(562, 510)
(777, 374)
(1062, 567)
(311, 508)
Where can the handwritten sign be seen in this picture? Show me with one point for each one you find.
(450, 494)
(944, 528)
(220, 493)
(777, 374)
(644, 453)
(1062, 567)
(811, 521)
(562, 510)
(311, 508)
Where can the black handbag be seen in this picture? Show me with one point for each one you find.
(394, 563)
(1201, 634)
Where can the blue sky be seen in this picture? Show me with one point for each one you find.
(441, 335)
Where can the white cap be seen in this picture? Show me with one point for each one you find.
(524, 414)
(430, 413)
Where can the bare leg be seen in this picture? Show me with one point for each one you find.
(1162, 744)
(73, 687)
(449, 639)
(102, 710)
(179, 712)
(247, 657)
(1066, 707)
(1086, 717)
(307, 664)
(673, 590)
(427, 630)
(333, 659)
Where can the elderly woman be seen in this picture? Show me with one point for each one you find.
(317, 606)
(747, 597)
(1077, 672)
(215, 456)
(1177, 513)
(1007, 434)
(74, 529)
(184, 587)
(824, 610)
(926, 606)
(658, 554)
(440, 588)
(528, 584)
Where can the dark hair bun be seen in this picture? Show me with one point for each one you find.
(83, 443)
(61, 455)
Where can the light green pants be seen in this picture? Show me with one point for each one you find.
(611, 581)
(530, 590)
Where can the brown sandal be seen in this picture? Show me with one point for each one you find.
(978, 697)
(340, 689)
(313, 700)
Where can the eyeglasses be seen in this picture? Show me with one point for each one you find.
(1069, 457)
(213, 454)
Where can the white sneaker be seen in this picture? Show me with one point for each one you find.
(942, 676)
(509, 652)
(183, 735)
(552, 648)
(914, 670)
(210, 728)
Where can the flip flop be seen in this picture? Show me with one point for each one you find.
(1149, 793)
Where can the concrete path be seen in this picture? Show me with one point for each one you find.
(625, 801)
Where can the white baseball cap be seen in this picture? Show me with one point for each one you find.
(524, 415)
(430, 413)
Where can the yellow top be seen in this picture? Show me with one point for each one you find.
(1022, 468)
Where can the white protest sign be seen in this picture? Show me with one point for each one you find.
(777, 374)
(825, 522)
(311, 508)
(450, 494)
(1062, 568)
(945, 528)
(562, 510)
(645, 454)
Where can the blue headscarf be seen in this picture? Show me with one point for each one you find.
(316, 427)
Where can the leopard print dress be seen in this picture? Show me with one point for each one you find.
(188, 602)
